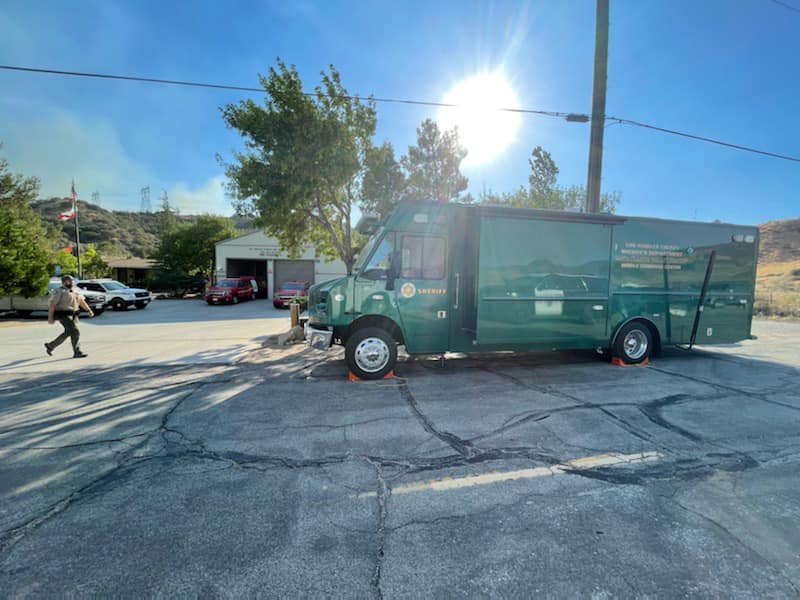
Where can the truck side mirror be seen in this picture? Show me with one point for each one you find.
(393, 272)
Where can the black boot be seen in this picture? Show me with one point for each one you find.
(48, 349)
(79, 354)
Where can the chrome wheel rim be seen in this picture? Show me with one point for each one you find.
(635, 344)
(372, 355)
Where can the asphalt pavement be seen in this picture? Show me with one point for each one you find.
(264, 472)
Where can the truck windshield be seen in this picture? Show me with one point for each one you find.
(379, 263)
(367, 250)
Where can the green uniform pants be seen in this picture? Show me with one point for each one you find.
(71, 331)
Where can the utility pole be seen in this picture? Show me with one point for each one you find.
(96, 198)
(598, 108)
(145, 206)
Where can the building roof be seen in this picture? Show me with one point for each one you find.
(257, 234)
(132, 263)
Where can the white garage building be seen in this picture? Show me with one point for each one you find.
(261, 256)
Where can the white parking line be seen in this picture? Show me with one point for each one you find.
(590, 462)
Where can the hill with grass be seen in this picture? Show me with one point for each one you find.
(116, 234)
(778, 279)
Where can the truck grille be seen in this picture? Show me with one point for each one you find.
(318, 307)
(142, 294)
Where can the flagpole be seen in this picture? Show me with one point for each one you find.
(77, 230)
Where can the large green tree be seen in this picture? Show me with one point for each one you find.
(544, 192)
(384, 181)
(189, 248)
(24, 242)
(301, 173)
(433, 166)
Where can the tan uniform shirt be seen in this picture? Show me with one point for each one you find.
(66, 299)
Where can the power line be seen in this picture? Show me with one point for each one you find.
(704, 139)
(241, 88)
(572, 117)
(786, 5)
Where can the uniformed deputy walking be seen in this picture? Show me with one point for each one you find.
(65, 304)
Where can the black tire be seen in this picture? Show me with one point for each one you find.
(209, 302)
(141, 305)
(235, 300)
(118, 304)
(366, 343)
(634, 343)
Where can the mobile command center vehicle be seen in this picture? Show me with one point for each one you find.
(467, 278)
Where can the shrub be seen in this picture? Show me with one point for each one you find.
(177, 284)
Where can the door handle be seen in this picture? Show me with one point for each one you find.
(458, 290)
(597, 307)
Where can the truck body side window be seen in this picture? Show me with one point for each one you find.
(423, 257)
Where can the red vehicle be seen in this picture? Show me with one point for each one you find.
(231, 291)
(288, 291)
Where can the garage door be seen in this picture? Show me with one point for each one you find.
(236, 267)
(293, 270)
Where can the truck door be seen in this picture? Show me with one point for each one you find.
(422, 292)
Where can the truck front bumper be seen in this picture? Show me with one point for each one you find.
(318, 338)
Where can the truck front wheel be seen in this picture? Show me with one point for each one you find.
(370, 353)
(634, 343)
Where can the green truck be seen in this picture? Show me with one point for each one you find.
(475, 278)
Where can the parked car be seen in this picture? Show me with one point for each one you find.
(24, 306)
(118, 295)
(289, 291)
(231, 291)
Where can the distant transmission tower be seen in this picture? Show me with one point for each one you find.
(145, 207)
(163, 198)
(96, 198)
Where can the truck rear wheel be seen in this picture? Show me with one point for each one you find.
(634, 343)
(370, 353)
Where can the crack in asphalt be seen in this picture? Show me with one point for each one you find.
(652, 410)
(383, 494)
(761, 396)
(740, 542)
(463, 447)
(549, 390)
(126, 462)
(10, 537)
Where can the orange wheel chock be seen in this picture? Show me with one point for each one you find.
(618, 361)
(353, 377)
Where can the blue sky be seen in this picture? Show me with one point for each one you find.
(725, 69)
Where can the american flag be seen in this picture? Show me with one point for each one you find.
(64, 216)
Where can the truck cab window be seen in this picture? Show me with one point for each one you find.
(423, 257)
(378, 267)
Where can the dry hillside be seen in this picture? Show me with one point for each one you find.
(778, 281)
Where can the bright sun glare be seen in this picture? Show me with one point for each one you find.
(483, 131)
